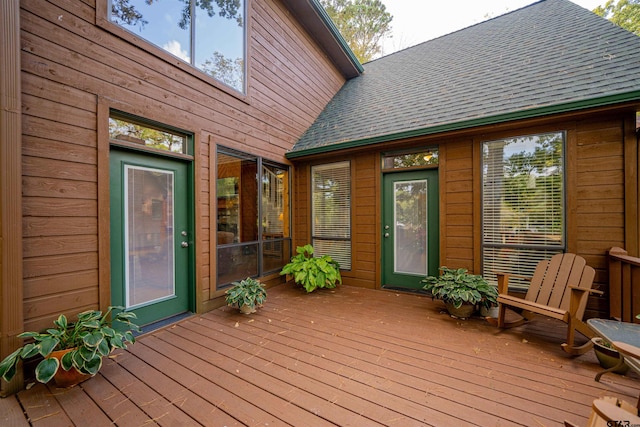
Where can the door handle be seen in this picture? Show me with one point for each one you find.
(184, 244)
(386, 234)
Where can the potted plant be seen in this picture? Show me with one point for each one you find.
(461, 291)
(608, 357)
(77, 348)
(313, 272)
(246, 295)
(488, 307)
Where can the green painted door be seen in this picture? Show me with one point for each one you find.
(410, 228)
(151, 235)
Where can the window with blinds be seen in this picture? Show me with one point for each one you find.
(331, 211)
(523, 204)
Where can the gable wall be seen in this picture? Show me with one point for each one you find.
(595, 195)
(73, 71)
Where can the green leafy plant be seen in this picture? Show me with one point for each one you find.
(93, 336)
(457, 287)
(248, 292)
(313, 272)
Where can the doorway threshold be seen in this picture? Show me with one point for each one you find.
(408, 290)
(163, 323)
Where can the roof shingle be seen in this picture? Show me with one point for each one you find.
(550, 53)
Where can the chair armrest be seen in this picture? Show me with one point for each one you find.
(591, 291)
(576, 298)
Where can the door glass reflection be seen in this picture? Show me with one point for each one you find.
(410, 221)
(149, 240)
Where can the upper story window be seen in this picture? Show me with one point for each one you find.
(208, 34)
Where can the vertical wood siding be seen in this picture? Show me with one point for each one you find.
(68, 63)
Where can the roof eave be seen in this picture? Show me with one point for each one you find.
(314, 18)
(471, 123)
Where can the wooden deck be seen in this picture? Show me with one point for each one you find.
(345, 357)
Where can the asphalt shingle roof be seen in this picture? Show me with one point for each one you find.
(550, 53)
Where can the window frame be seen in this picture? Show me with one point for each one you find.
(314, 237)
(541, 250)
(189, 137)
(261, 242)
(103, 21)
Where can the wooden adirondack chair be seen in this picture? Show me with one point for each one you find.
(559, 289)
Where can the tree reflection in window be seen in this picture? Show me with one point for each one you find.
(215, 44)
(122, 129)
(523, 203)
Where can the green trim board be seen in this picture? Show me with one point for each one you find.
(468, 124)
(338, 36)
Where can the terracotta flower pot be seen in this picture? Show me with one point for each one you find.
(65, 379)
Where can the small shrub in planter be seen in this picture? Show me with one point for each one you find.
(246, 295)
(313, 272)
(457, 287)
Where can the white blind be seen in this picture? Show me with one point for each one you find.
(522, 203)
(331, 211)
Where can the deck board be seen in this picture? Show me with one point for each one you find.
(11, 414)
(79, 407)
(348, 356)
(42, 408)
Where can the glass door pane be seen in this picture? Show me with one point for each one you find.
(410, 222)
(149, 240)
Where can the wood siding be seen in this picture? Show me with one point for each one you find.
(599, 198)
(595, 167)
(456, 219)
(74, 71)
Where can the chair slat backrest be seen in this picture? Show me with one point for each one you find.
(550, 283)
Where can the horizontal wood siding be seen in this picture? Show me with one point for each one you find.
(365, 227)
(69, 63)
(457, 186)
(600, 199)
(301, 205)
(595, 166)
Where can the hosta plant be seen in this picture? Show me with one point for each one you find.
(313, 272)
(457, 286)
(93, 336)
(247, 293)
